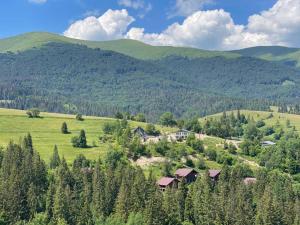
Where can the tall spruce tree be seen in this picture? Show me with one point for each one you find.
(55, 159)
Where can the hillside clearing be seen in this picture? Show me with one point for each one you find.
(45, 131)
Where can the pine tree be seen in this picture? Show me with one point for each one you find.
(32, 201)
(98, 200)
(171, 207)
(55, 159)
(64, 128)
(60, 206)
(154, 214)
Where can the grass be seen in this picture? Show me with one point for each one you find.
(277, 118)
(45, 131)
(128, 47)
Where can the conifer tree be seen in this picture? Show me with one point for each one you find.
(98, 200)
(55, 159)
(154, 214)
(64, 128)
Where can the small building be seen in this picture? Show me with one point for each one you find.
(141, 133)
(167, 182)
(214, 174)
(190, 175)
(249, 180)
(182, 134)
(267, 143)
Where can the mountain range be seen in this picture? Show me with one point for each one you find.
(56, 73)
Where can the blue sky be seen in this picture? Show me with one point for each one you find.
(154, 17)
(19, 16)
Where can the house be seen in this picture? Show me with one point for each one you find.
(141, 133)
(214, 174)
(249, 180)
(267, 143)
(182, 134)
(167, 182)
(190, 175)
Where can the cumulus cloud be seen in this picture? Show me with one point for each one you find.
(187, 7)
(111, 25)
(212, 29)
(215, 29)
(38, 1)
(281, 23)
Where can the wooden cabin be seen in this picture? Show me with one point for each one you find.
(214, 174)
(188, 174)
(141, 133)
(167, 182)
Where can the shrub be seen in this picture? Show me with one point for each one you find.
(33, 113)
(64, 128)
(79, 117)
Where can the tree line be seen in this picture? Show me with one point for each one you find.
(113, 192)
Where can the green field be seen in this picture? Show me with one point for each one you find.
(45, 131)
(280, 118)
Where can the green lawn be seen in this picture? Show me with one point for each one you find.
(45, 132)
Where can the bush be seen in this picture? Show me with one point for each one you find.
(33, 113)
(211, 154)
(260, 124)
(201, 164)
(79, 117)
(151, 130)
(64, 128)
(80, 141)
(189, 163)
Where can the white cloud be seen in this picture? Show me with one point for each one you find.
(187, 7)
(38, 1)
(140, 5)
(212, 29)
(111, 25)
(215, 29)
(281, 23)
(135, 4)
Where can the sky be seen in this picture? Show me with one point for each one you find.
(205, 24)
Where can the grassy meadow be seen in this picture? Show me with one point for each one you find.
(280, 118)
(46, 132)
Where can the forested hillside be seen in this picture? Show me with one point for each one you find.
(74, 78)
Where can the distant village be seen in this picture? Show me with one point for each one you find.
(187, 175)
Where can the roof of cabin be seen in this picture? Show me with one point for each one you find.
(165, 181)
(213, 173)
(184, 172)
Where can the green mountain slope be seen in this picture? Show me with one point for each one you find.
(70, 78)
(288, 56)
(136, 49)
(128, 47)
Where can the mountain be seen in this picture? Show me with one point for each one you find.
(74, 78)
(139, 50)
(128, 47)
(287, 56)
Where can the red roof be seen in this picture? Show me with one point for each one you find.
(214, 173)
(165, 181)
(183, 172)
(249, 180)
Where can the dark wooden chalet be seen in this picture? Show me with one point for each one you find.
(141, 133)
(214, 174)
(167, 182)
(188, 174)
